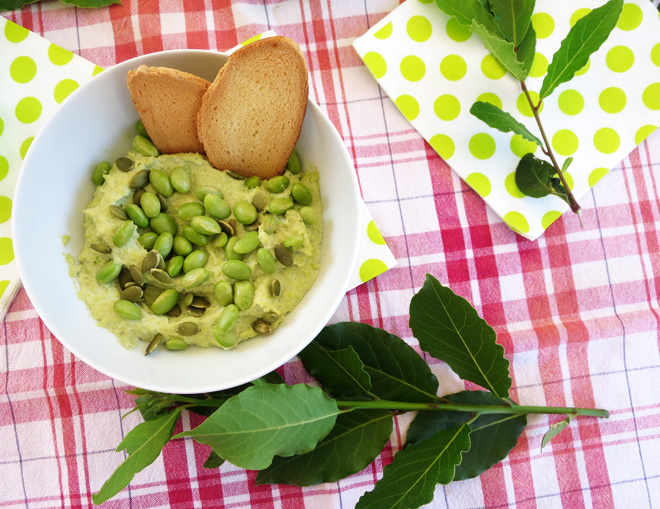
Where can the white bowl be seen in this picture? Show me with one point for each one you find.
(97, 122)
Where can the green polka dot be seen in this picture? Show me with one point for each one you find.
(375, 63)
(612, 100)
(2, 126)
(63, 89)
(374, 234)
(569, 180)
(412, 68)
(655, 55)
(490, 98)
(516, 221)
(606, 140)
(3, 287)
(651, 96)
(543, 25)
(371, 268)
(97, 70)
(22, 69)
(630, 18)
(580, 13)
(15, 33)
(549, 218)
(570, 102)
(596, 175)
(5, 209)
(480, 183)
(58, 55)
(584, 69)
(492, 68)
(539, 66)
(644, 132)
(453, 67)
(520, 146)
(25, 146)
(384, 32)
(565, 142)
(447, 107)
(419, 28)
(482, 146)
(620, 58)
(523, 105)
(511, 186)
(4, 167)
(443, 145)
(6, 250)
(456, 31)
(408, 105)
(28, 110)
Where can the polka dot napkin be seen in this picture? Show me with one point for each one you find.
(35, 77)
(434, 69)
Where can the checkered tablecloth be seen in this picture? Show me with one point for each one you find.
(577, 310)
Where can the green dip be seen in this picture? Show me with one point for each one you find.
(273, 230)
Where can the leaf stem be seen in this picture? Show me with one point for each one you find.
(547, 150)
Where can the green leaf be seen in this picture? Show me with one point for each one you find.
(213, 461)
(449, 328)
(526, 51)
(468, 11)
(409, 481)
(265, 420)
(586, 36)
(554, 430)
(492, 436)
(355, 441)
(514, 18)
(396, 370)
(271, 378)
(567, 163)
(501, 120)
(143, 445)
(10, 5)
(503, 51)
(91, 3)
(536, 178)
(340, 371)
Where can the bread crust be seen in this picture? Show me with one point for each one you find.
(251, 116)
(168, 101)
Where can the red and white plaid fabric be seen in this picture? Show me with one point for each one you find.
(577, 310)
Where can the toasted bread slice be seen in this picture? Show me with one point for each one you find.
(251, 115)
(168, 101)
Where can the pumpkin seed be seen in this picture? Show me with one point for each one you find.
(275, 288)
(127, 309)
(124, 278)
(259, 200)
(175, 311)
(176, 344)
(139, 180)
(153, 344)
(151, 293)
(187, 328)
(136, 274)
(101, 248)
(165, 301)
(235, 175)
(200, 302)
(124, 163)
(196, 312)
(262, 327)
(252, 227)
(137, 195)
(108, 271)
(161, 275)
(130, 283)
(163, 202)
(118, 212)
(194, 278)
(227, 227)
(269, 318)
(284, 255)
(151, 260)
(131, 293)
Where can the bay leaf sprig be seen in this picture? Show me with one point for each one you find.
(11, 5)
(304, 435)
(505, 28)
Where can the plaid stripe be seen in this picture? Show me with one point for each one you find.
(576, 310)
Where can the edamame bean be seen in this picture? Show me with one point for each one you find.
(223, 293)
(227, 320)
(266, 260)
(180, 179)
(293, 164)
(165, 301)
(252, 182)
(137, 215)
(195, 260)
(108, 271)
(280, 205)
(147, 240)
(189, 210)
(176, 344)
(205, 225)
(194, 278)
(127, 309)
(201, 192)
(228, 340)
(174, 265)
(124, 233)
(98, 175)
(150, 204)
(293, 242)
(259, 200)
(269, 224)
(245, 212)
(236, 269)
(164, 244)
(243, 294)
(163, 223)
(145, 147)
(230, 254)
(216, 206)
(196, 238)
(141, 130)
(301, 194)
(247, 243)
(182, 246)
(277, 184)
(308, 216)
(161, 183)
(220, 240)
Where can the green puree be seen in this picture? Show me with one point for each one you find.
(302, 238)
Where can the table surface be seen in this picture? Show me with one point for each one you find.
(576, 311)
